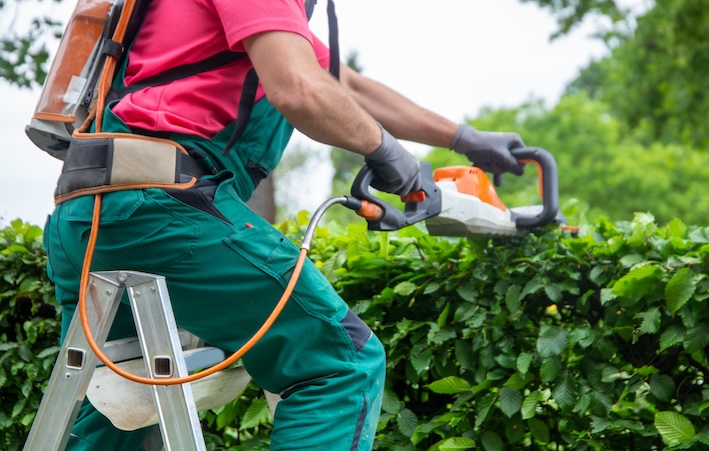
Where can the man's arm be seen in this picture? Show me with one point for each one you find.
(312, 101)
(399, 115)
(490, 151)
(317, 105)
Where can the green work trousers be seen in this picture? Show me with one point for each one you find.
(225, 269)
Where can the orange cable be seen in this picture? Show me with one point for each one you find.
(179, 380)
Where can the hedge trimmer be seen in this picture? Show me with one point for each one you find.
(461, 201)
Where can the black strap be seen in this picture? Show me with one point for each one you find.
(248, 93)
(179, 72)
(246, 105)
(333, 40)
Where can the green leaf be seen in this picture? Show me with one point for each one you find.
(662, 386)
(565, 392)
(631, 259)
(529, 405)
(680, 289)
(492, 441)
(431, 288)
(600, 424)
(676, 228)
(421, 359)
(467, 293)
(257, 411)
(651, 321)
(524, 360)
(450, 385)
(443, 317)
(512, 299)
(483, 407)
(407, 421)
(518, 381)
(534, 285)
(510, 401)
(464, 354)
(697, 338)
(638, 282)
(700, 235)
(391, 403)
(553, 292)
(674, 335)
(454, 443)
(607, 295)
(539, 430)
(674, 428)
(405, 288)
(552, 341)
(598, 276)
(550, 369)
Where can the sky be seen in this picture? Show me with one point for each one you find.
(451, 56)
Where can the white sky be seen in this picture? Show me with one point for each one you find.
(451, 56)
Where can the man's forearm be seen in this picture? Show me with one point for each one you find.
(399, 115)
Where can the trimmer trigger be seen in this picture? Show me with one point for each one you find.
(417, 196)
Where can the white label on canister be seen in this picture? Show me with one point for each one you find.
(73, 91)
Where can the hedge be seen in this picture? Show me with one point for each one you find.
(548, 341)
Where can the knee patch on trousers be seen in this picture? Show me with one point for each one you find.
(357, 329)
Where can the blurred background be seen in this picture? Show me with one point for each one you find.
(615, 90)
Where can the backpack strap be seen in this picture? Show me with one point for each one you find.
(333, 39)
(248, 93)
(178, 73)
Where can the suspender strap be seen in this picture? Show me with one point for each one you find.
(124, 162)
(246, 105)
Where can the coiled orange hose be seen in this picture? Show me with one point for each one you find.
(175, 380)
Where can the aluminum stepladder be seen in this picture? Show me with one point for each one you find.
(161, 347)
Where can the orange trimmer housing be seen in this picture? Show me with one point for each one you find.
(470, 180)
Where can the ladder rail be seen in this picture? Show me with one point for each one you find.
(73, 370)
(160, 343)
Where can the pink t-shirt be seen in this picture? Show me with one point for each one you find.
(177, 32)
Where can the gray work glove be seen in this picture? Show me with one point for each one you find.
(396, 170)
(490, 151)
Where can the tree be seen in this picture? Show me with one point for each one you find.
(655, 82)
(570, 13)
(24, 53)
(612, 173)
(654, 79)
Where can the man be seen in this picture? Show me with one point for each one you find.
(226, 267)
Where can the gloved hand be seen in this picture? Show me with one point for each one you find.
(396, 170)
(490, 151)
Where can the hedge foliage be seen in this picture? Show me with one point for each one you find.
(549, 341)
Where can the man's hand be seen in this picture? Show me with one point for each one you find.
(397, 171)
(490, 151)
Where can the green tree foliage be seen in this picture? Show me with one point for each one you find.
(654, 79)
(610, 174)
(24, 51)
(655, 82)
(570, 13)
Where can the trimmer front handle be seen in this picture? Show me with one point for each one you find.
(385, 217)
(548, 187)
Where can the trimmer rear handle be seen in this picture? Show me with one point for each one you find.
(389, 217)
(548, 187)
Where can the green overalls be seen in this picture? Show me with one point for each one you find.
(225, 269)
